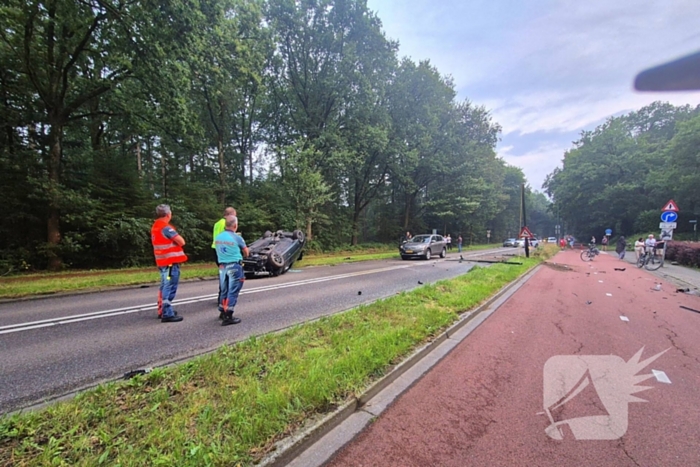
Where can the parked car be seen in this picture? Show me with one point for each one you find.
(510, 242)
(274, 253)
(424, 246)
(551, 239)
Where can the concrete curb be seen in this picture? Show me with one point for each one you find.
(302, 449)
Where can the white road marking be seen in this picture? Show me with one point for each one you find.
(11, 328)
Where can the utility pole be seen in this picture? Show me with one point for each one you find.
(522, 203)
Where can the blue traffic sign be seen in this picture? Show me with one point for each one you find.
(669, 216)
(608, 232)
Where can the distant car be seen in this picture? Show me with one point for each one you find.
(274, 253)
(533, 243)
(510, 242)
(424, 246)
(551, 239)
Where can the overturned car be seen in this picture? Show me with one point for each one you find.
(274, 253)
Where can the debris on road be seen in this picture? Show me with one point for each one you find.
(624, 318)
(661, 376)
(620, 269)
(131, 374)
(691, 309)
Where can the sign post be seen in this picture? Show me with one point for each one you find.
(695, 229)
(669, 215)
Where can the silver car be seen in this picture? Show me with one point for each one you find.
(424, 246)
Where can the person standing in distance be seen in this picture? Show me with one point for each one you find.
(621, 247)
(639, 247)
(167, 248)
(230, 250)
(650, 244)
(219, 227)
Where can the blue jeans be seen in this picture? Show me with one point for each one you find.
(231, 277)
(169, 278)
(459, 247)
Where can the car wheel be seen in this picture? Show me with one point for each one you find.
(427, 254)
(276, 260)
(443, 253)
(298, 235)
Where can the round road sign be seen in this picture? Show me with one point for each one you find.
(669, 216)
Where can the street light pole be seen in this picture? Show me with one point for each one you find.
(695, 229)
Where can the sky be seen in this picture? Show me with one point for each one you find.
(545, 69)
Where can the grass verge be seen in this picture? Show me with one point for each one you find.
(231, 406)
(25, 285)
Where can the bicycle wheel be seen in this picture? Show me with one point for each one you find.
(653, 264)
(640, 261)
(586, 255)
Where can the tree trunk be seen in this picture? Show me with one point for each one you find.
(407, 213)
(355, 226)
(308, 229)
(163, 172)
(222, 170)
(53, 226)
(139, 166)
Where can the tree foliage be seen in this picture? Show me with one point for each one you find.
(298, 113)
(619, 175)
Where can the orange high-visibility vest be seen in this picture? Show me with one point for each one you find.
(165, 250)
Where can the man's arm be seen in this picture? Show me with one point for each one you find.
(179, 240)
(245, 251)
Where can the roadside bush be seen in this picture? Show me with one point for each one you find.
(684, 253)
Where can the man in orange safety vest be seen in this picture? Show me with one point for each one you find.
(167, 248)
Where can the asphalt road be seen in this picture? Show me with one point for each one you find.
(586, 364)
(52, 347)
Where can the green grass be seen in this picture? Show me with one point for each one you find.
(229, 407)
(24, 285)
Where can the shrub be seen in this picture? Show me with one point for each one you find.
(684, 253)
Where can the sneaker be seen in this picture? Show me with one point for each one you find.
(231, 320)
(171, 319)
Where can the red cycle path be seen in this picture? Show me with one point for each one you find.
(482, 405)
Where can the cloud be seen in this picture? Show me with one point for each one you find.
(558, 112)
(536, 163)
(546, 69)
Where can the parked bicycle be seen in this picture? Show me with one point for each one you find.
(590, 253)
(651, 260)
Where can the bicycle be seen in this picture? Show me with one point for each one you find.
(650, 260)
(590, 253)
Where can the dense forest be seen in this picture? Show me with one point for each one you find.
(298, 113)
(621, 174)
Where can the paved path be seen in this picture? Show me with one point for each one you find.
(484, 403)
